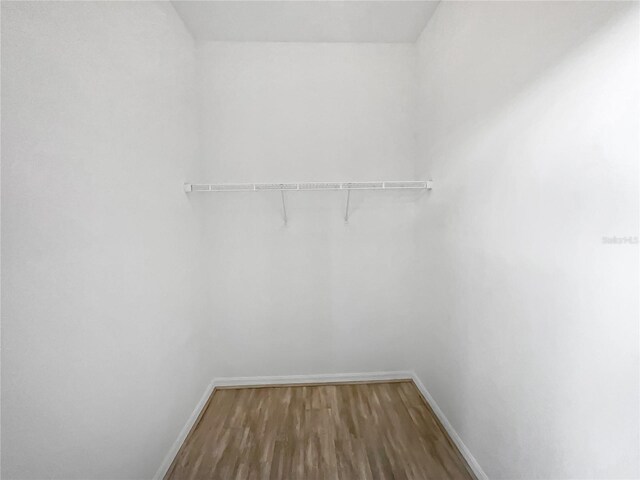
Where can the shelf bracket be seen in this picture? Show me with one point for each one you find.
(284, 208)
(346, 210)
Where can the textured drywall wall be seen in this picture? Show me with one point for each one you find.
(319, 295)
(529, 126)
(103, 332)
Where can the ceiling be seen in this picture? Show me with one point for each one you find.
(306, 20)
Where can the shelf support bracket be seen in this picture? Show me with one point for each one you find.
(284, 208)
(346, 210)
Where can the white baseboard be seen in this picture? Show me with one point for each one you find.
(175, 447)
(319, 378)
(473, 463)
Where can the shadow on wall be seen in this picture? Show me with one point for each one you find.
(529, 121)
(519, 47)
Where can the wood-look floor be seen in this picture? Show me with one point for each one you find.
(342, 432)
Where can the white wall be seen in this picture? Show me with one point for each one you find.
(317, 296)
(529, 126)
(103, 332)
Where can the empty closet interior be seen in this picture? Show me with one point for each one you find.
(205, 194)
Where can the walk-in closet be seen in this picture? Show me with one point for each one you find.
(320, 240)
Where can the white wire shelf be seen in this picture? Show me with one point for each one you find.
(306, 186)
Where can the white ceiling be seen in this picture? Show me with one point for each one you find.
(306, 20)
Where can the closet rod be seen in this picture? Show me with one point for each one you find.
(255, 187)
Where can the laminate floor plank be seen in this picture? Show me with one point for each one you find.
(360, 431)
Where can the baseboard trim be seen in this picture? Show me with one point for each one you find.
(336, 378)
(444, 421)
(182, 436)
